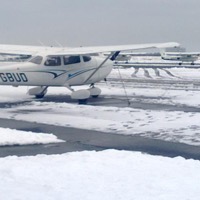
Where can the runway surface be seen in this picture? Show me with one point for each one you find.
(79, 140)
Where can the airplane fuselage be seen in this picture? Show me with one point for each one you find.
(55, 71)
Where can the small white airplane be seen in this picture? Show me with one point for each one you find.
(65, 67)
(180, 56)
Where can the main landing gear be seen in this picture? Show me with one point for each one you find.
(84, 94)
(81, 95)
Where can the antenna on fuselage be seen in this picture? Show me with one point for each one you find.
(41, 43)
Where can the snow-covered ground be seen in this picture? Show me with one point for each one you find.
(15, 137)
(179, 74)
(174, 126)
(108, 175)
(177, 126)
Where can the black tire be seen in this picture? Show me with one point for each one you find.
(95, 96)
(39, 96)
(82, 101)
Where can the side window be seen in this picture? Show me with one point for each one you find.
(86, 58)
(53, 61)
(68, 60)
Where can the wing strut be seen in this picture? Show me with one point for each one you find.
(112, 56)
(123, 85)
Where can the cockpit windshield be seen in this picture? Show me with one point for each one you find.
(36, 60)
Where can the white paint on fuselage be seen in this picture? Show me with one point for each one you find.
(30, 74)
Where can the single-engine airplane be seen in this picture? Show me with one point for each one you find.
(180, 56)
(65, 67)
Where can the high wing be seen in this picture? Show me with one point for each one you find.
(31, 50)
(24, 49)
(101, 49)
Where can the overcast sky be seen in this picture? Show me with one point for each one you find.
(100, 22)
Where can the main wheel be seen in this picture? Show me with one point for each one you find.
(82, 101)
(81, 96)
(94, 92)
(95, 96)
(39, 96)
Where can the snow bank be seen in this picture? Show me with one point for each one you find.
(15, 137)
(108, 175)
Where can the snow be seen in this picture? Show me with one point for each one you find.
(108, 175)
(16, 137)
(176, 126)
(179, 73)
